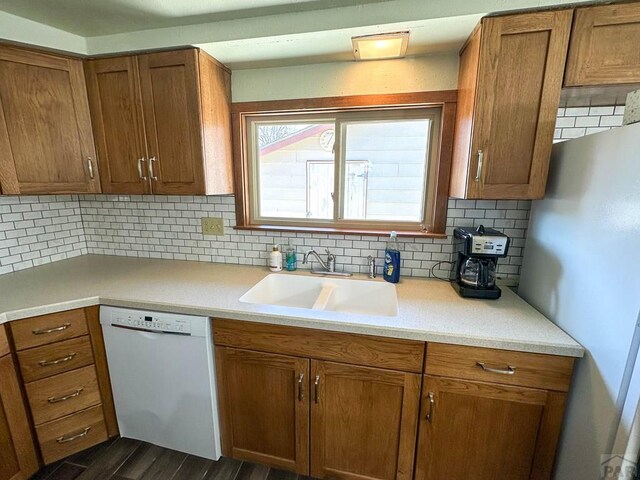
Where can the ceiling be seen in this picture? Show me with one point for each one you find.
(253, 33)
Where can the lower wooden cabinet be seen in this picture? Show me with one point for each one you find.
(264, 407)
(307, 413)
(18, 459)
(363, 422)
(476, 430)
(342, 406)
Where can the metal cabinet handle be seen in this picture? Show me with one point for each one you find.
(65, 397)
(300, 394)
(74, 436)
(510, 370)
(90, 164)
(140, 174)
(43, 331)
(316, 386)
(152, 175)
(480, 163)
(45, 363)
(432, 405)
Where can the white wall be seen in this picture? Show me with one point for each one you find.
(18, 29)
(435, 72)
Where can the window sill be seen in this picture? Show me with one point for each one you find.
(344, 231)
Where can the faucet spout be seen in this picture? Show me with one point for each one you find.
(325, 266)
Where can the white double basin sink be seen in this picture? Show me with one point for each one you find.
(325, 293)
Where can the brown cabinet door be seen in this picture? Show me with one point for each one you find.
(116, 112)
(604, 48)
(264, 408)
(46, 144)
(522, 59)
(17, 451)
(363, 422)
(483, 431)
(171, 105)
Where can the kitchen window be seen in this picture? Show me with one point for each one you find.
(367, 170)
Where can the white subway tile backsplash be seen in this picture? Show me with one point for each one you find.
(35, 230)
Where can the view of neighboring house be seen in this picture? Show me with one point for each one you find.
(384, 177)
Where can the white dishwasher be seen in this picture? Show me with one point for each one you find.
(162, 375)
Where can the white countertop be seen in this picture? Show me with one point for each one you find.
(429, 310)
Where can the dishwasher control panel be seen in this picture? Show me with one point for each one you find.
(152, 321)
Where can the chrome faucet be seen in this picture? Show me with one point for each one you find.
(371, 262)
(328, 267)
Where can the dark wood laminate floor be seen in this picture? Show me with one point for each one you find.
(126, 459)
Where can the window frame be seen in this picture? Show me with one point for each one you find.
(349, 108)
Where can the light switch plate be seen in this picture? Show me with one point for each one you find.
(212, 226)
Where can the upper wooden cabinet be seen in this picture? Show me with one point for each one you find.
(46, 144)
(604, 48)
(162, 123)
(18, 459)
(511, 72)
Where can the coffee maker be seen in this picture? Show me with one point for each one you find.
(478, 250)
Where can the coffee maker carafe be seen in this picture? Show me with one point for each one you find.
(478, 250)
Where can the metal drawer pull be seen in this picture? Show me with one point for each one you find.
(151, 174)
(42, 331)
(432, 404)
(45, 363)
(510, 370)
(140, 174)
(315, 388)
(65, 397)
(480, 162)
(73, 437)
(90, 168)
(300, 395)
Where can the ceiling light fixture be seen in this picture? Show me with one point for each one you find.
(380, 46)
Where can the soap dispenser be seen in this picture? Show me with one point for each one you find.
(275, 259)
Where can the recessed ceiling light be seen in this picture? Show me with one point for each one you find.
(380, 46)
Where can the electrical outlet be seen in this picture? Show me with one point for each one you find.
(212, 226)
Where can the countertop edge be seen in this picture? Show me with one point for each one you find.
(296, 321)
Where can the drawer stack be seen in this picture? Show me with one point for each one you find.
(57, 364)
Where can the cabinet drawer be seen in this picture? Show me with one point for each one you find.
(391, 353)
(63, 394)
(550, 372)
(45, 329)
(48, 360)
(71, 434)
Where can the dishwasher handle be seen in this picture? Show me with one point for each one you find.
(148, 330)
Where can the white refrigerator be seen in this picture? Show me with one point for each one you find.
(581, 269)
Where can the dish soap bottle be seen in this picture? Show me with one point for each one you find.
(391, 270)
(275, 259)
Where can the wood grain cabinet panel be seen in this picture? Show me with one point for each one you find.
(113, 86)
(363, 422)
(604, 46)
(162, 123)
(45, 329)
(46, 144)
(511, 75)
(73, 433)
(59, 357)
(264, 408)
(482, 431)
(18, 459)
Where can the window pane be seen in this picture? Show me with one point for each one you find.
(295, 169)
(386, 165)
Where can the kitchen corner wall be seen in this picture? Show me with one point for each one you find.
(35, 230)
(39, 229)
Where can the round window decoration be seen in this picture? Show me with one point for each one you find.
(327, 139)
